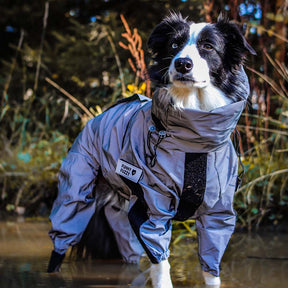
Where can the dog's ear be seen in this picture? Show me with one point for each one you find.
(237, 46)
(160, 36)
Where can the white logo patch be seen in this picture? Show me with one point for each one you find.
(128, 171)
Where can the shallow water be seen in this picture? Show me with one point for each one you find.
(250, 261)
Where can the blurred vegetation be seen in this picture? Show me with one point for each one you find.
(63, 62)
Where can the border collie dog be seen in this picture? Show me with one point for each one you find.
(143, 163)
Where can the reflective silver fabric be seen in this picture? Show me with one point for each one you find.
(124, 132)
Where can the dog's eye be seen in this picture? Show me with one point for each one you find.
(174, 45)
(207, 46)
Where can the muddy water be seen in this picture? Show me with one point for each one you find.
(250, 261)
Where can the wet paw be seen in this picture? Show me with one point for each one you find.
(211, 280)
(160, 275)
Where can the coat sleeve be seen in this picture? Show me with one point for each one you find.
(75, 203)
(214, 232)
(152, 225)
(216, 224)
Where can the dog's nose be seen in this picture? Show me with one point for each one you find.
(183, 65)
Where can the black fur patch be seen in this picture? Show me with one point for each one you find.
(194, 185)
(226, 57)
(98, 240)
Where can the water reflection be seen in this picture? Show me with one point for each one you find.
(250, 261)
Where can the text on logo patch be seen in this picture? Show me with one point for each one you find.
(128, 171)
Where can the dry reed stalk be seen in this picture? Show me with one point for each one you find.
(271, 82)
(45, 18)
(7, 83)
(207, 10)
(234, 9)
(261, 178)
(117, 59)
(135, 48)
(72, 98)
(265, 130)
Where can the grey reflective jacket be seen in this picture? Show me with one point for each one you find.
(169, 163)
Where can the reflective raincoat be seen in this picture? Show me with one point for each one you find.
(168, 163)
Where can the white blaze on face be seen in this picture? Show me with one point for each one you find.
(200, 71)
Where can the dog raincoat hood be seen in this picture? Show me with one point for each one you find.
(168, 163)
(208, 131)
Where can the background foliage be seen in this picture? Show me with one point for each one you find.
(63, 62)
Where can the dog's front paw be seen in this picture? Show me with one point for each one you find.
(160, 275)
(211, 280)
(55, 262)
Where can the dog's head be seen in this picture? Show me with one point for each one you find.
(189, 55)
